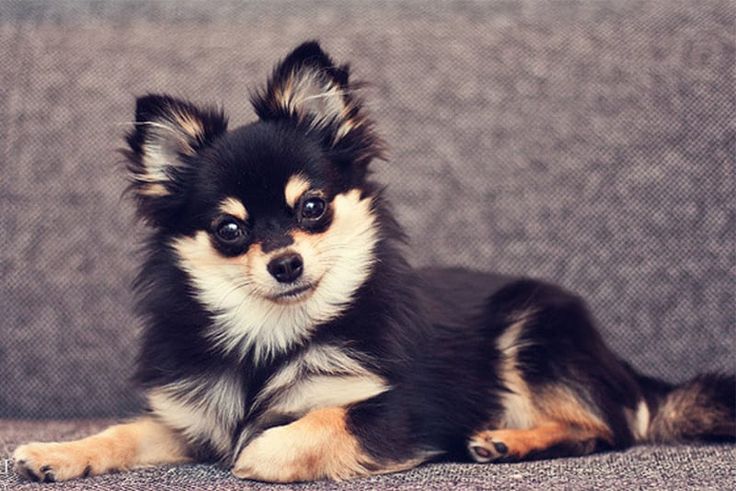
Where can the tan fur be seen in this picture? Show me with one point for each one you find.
(525, 407)
(143, 442)
(317, 446)
(519, 409)
(234, 207)
(152, 190)
(557, 416)
(295, 188)
(534, 418)
(305, 92)
(520, 443)
(559, 404)
(687, 412)
(191, 126)
(283, 93)
(166, 140)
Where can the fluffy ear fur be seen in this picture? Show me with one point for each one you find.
(167, 136)
(309, 90)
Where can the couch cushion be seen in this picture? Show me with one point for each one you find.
(590, 143)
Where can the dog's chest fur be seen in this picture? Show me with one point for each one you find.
(221, 411)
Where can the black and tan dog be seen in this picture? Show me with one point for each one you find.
(287, 338)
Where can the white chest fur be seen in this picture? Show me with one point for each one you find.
(210, 409)
(205, 409)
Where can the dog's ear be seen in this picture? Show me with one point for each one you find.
(309, 90)
(163, 147)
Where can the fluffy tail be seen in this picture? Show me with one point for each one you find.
(701, 409)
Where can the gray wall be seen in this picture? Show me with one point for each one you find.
(591, 143)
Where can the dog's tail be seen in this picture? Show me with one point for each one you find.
(702, 409)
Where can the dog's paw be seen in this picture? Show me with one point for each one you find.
(50, 462)
(286, 454)
(268, 458)
(488, 446)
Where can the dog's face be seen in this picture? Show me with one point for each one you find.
(272, 221)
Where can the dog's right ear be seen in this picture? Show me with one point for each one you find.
(307, 89)
(162, 153)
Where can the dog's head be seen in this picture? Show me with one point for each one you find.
(273, 221)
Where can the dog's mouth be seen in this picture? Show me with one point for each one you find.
(294, 295)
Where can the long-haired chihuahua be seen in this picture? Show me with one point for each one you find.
(287, 338)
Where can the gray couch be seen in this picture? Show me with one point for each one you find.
(589, 143)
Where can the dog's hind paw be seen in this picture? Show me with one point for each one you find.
(485, 448)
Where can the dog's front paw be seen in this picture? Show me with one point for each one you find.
(271, 457)
(317, 446)
(50, 462)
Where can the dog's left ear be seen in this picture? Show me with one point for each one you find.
(309, 90)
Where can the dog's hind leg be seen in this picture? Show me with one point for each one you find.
(560, 425)
(563, 393)
(546, 440)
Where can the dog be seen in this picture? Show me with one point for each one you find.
(287, 338)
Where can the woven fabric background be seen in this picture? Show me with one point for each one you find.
(591, 143)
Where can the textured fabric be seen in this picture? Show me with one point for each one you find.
(647, 467)
(590, 143)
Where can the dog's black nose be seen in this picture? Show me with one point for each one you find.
(286, 268)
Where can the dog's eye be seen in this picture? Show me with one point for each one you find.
(313, 208)
(230, 231)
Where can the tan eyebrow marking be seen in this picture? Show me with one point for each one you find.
(295, 187)
(234, 207)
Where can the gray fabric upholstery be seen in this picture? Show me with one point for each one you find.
(647, 467)
(591, 143)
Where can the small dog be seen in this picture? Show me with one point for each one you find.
(287, 338)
